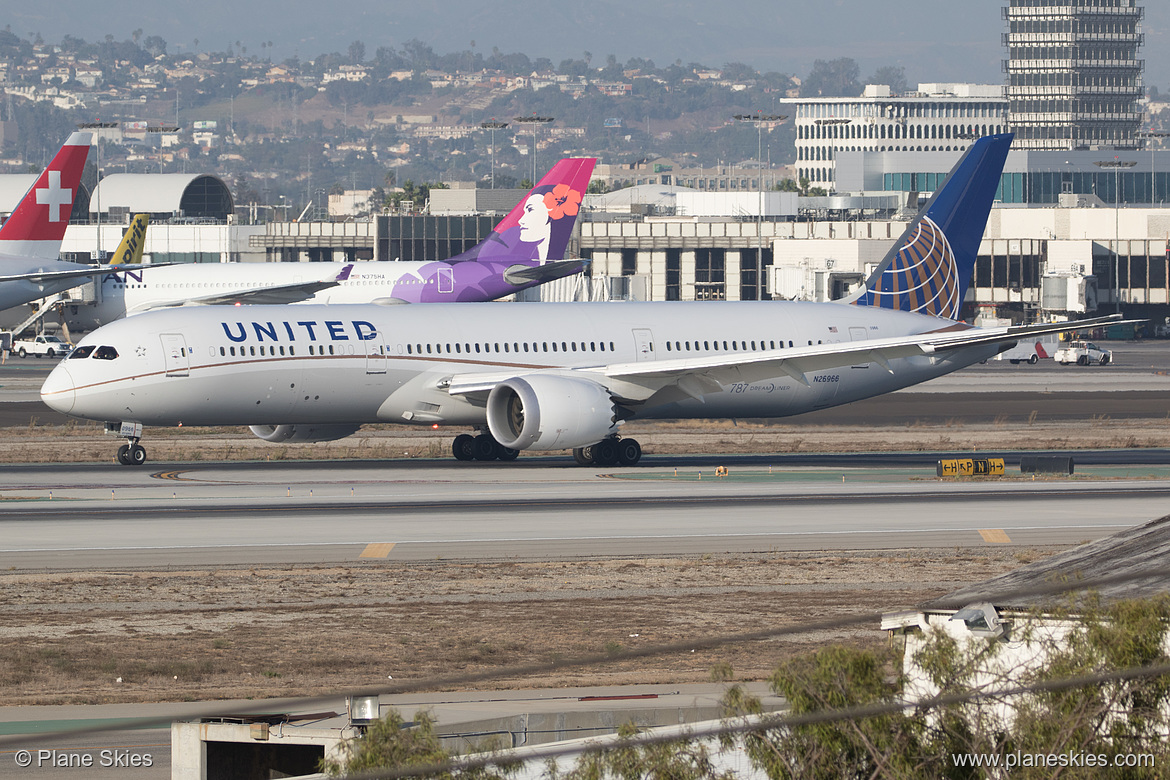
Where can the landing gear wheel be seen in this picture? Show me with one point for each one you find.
(484, 447)
(605, 452)
(507, 453)
(133, 454)
(629, 452)
(461, 447)
(583, 456)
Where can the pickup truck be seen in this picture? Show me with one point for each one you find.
(1083, 353)
(42, 346)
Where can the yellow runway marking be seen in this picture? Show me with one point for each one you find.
(378, 550)
(994, 536)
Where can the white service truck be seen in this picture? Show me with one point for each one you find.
(1083, 353)
(1029, 351)
(42, 346)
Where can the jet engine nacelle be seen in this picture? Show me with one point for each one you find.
(540, 412)
(303, 433)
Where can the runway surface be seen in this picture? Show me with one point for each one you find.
(109, 517)
(255, 513)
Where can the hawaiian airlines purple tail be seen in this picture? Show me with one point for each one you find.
(525, 249)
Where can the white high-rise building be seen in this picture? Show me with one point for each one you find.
(936, 118)
(1074, 77)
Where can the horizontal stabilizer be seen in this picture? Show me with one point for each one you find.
(557, 269)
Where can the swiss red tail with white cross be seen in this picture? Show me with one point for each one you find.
(38, 224)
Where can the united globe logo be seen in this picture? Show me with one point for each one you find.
(923, 276)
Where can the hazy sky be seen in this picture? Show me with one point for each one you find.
(939, 40)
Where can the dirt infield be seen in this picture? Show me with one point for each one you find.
(284, 631)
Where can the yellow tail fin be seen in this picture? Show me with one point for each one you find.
(130, 250)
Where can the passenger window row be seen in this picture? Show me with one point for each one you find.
(510, 347)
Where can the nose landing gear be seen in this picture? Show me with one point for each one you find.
(132, 454)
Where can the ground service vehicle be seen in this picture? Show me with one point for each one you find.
(42, 346)
(1029, 351)
(1083, 353)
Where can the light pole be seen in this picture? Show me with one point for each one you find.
(1116, 165)
(758, 120)
(535, 121)
(1151, 134)
(493, 126)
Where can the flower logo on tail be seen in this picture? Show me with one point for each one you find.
(563, 201)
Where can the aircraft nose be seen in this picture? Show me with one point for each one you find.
(58, 390)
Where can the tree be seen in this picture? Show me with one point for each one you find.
(838, 678)
(1114, 720)
(156, 46)
(893, 76)
(677, 760)
(357, 53)
(832, 78)
(392, 743)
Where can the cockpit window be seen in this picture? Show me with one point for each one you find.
(82, 352)
(105, 353)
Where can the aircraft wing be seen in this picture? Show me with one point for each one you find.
(56, 276)
(700, 375)
(274, 294)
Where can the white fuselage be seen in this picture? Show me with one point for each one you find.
(142, 288)
(277, 365)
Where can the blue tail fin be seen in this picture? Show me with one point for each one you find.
(930, 267)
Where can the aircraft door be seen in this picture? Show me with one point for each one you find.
(175, 354)
(857, 333)
(446, 280)
(376, 354)
(643, 344)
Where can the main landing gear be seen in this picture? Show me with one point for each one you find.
(481, 447)
(609, 452)
(132, 453)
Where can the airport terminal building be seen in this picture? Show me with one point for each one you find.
(1072, 257)
(1080, 224)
